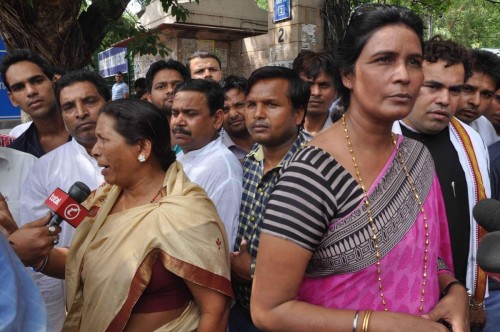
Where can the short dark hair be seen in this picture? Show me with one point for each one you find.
(140, 94)
(82, 76)
(298, 91)
(437, 48)
(19, 55)
(312, 64)
(119, 73)
(58, 70)
(212, 91)
(140, 120)
(203, 55)
(140, 83)
(234, 82)
(162, 64)
(364, 21)
(486, 62)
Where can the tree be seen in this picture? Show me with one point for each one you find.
(67, 32)
(473, 23)
(336, 14)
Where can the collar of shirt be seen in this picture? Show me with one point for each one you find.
(195, 153)
(257, 151)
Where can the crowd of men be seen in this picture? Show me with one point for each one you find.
(233, 135)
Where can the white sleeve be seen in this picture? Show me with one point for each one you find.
(34, 192)
(227, 200)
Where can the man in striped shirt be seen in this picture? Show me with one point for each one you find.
(276, 104)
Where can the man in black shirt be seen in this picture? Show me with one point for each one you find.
(455, 148)
(28, 78)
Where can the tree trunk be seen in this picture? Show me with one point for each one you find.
(57, 29)
(336, 16)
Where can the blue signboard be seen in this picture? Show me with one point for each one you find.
(112, 61)
(281, 10)
(7, 111)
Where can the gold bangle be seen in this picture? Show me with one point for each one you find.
(366, 319)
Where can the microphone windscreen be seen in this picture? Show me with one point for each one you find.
(487, 214)
(79, 191)
(488, 253)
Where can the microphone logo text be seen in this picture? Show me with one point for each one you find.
(55, 199)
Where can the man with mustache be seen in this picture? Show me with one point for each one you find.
(478, 92)
(28, 78)
(235, 134)
(317, 69)
(459, 155)
(276, 105)
(79, 95)
(197, 116)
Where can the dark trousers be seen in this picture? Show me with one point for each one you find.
(240, 320)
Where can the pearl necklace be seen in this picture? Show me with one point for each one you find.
(372, 222)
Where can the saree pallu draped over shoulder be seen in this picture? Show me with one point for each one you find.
(342, 272)
(111, 258)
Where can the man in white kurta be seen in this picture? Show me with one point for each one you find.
(14, 166)
(197, 117)
(80, 95)
(60, 168)
(217, 170)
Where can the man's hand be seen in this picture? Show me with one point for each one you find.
(33, 242)
(6, 219)
(240, 264)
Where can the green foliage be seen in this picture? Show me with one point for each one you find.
(473, 23)
(142, 40)
(262, 4)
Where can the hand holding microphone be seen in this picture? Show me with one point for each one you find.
(67, 206)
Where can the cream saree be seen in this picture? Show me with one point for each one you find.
(110, 260)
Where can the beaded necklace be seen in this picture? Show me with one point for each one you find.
(372, 222)
(157, 194)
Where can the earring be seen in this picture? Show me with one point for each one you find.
(141, 158)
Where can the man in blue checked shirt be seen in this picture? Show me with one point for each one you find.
(276, 104)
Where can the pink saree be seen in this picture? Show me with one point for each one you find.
(342, 272)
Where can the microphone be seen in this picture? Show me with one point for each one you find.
(488, 253)
(487, 214)
(67, 206)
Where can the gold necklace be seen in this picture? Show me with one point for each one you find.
(372, 222)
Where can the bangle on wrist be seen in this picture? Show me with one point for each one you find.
(448, 287)
(41, 265)
(366, 320)
(355, 322)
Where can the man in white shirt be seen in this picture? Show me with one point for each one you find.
(197, 117)
(478, 92)
(79, 95)
(14, 166)
(120, 89)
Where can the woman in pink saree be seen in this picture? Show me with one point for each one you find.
(357, 219)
